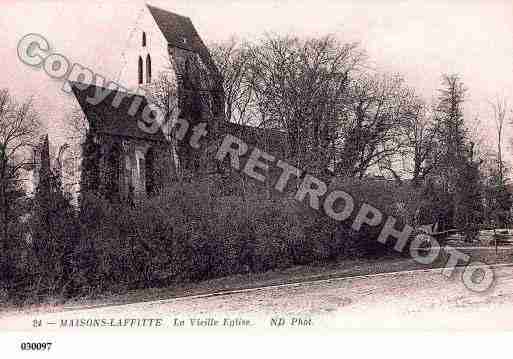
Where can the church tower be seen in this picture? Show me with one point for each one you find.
(146, 56)
(127, 162)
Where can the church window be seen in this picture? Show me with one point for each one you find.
(140, 70)
(144, 39)
(148, 68)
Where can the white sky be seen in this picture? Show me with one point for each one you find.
(419, 39)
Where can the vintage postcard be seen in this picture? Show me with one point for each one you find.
(208, 169)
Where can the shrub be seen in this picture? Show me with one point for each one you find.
(191, 231)
(401, 202)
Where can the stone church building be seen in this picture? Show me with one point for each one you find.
(119, 159)
(165, 63)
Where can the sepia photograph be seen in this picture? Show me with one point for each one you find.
(214, 171)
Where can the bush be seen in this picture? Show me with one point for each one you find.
(192, 231)
(185, 234)
(400, 201)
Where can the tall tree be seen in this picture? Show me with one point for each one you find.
(421, 145)
(19, 126)
(459, 166)
(54, 228)
(500, 111)
(232, 58)
(299, 86)
(372, 123)
(450, 122)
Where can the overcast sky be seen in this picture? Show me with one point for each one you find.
(419, 39)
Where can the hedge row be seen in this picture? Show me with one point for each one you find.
(189, 233)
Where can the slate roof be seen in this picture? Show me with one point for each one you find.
(268, 140)
(105, 118)
(180, 32)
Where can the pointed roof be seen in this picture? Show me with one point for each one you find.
(177, 29)
(112, 120)
(180, 32)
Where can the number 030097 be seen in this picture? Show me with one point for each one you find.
(36, 346)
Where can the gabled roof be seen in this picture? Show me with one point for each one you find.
(108, 119)
(175, 28)
(180, 32)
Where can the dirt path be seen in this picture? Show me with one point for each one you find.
(408, 300)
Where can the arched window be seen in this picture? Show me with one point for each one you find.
(149, 171)
(140, 70)
(144, 39)
(148, 69)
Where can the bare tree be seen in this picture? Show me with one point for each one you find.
(421, 141)
(163, 92)
(372, 123)
(232, 58)
(497, 197)
(299, 86)
(500, 110)
(19, 127)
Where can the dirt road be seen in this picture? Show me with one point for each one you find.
(419, 299)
